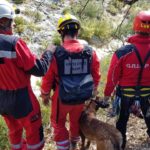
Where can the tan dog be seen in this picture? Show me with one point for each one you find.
(106, 136)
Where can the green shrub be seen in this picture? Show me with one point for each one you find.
(33, 27)
(20, 23)
(34, 14)
(104, 68)
(4, 144)
(114, 7)
(18, 1)
(44, 44)
(56, 39)
(87, 30)
(92, 9)
(45, 110)
(103, 29)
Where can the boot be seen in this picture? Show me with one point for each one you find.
(74, 146)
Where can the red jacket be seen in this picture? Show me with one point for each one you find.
(17, 63)
(52, 74)
(124, 68)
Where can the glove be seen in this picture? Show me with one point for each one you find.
(45, 98)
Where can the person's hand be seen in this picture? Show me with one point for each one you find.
(95, 93)
(51, 48)
(45, 98)
(106, 98)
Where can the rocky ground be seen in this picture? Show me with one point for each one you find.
(136, 134)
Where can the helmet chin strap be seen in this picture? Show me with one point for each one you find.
(6, 26)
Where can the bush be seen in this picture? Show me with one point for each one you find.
(104, 68)
(4, 144)
(114, 7)
(45, 110)
(20, 23)
(34, 14)
(56, 39)
(101, 29)
(18, 1)
(87, 30)
(92, 9)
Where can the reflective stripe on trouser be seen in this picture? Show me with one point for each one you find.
(75, 139)
(35, 146)
(16, 146)
(63, 145)
(19, 146)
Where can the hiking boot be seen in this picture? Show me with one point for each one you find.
(74, 146)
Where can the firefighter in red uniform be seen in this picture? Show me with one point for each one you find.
(129, 72)
(75, 70)
(18, 105)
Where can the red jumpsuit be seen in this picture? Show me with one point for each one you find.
(124, 73)
(61, 134)
(16, 65)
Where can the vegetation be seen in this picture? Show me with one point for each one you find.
(56, 39)
(114, 7)
(97, 23)
(4, 144)
(33, 14)
(19, 1)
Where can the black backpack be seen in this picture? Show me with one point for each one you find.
(75, 80)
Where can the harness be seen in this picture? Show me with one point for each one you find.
(134, 93)
(138, 90)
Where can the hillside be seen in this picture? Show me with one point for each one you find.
(106, 23)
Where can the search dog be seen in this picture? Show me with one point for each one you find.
(106, 136)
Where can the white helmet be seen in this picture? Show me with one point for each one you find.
(6, 10)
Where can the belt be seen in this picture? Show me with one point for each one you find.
(140, 91)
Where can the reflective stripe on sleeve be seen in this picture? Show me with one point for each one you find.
(7, 54)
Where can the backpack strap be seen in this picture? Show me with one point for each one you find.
(124, 50)
(142, 64)
(61, 54)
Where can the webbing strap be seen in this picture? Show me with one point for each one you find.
(141, 63)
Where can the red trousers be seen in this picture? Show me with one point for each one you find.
(59, 118)
(32, 125)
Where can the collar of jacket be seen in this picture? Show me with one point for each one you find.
(139, 39)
